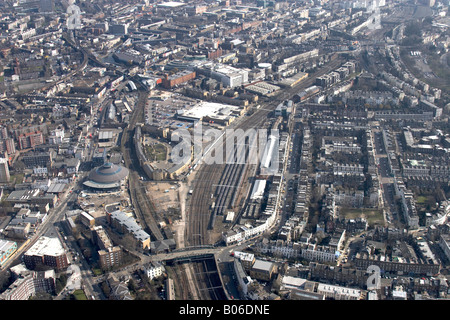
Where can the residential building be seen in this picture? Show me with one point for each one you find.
(154, 270)
(247, 259)
(396, 264)
(4, 170)
(110, 257)
(125, 224)
(30, 140)
(29, 284)
(338, 293)
(46, 251)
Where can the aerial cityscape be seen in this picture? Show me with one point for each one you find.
(224, 150)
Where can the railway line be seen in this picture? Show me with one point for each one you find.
(208, 281)
(203, 271)
(225, 180)
(221, 180)
(181, 281)
(228, 189)
(144, 208)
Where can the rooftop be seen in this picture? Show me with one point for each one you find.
(263, 265)
(108, 173)
(46, 246)
(171, 4)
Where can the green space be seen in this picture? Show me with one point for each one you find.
(17, 177)
(79, 295)
(432, 56)
(421, 200)
(442, 74)
(373, 216)
(156, 152)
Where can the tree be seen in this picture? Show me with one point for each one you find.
(413, 29)
(61, 282)
(105, 289)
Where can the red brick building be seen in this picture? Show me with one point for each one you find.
(48, 252)
(178, 78)
(30, 140)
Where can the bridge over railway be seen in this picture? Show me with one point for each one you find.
(203, 271)
(188, 254)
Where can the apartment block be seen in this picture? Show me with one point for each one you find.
(46, 251)
(30, 140)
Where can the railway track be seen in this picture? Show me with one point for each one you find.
(144, 208)
(204, 273)
(181, 282)
(201, 217)
(208, 282)
(213, 179)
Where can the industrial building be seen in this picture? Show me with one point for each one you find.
(229, 76)
(211, 112)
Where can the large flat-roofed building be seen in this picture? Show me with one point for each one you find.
(229, 76)
(178, 78)
(262, 270)
(32, 197)
(211, 111)
(46, 251)
(106, 137)
(170, 4)
(294, 80)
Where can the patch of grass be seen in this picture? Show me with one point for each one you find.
(373, 216)
(79, 295)
(17, 178)
(97, 271)
(156, 152)
(421, 199)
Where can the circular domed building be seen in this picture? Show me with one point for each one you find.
(108, 177)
